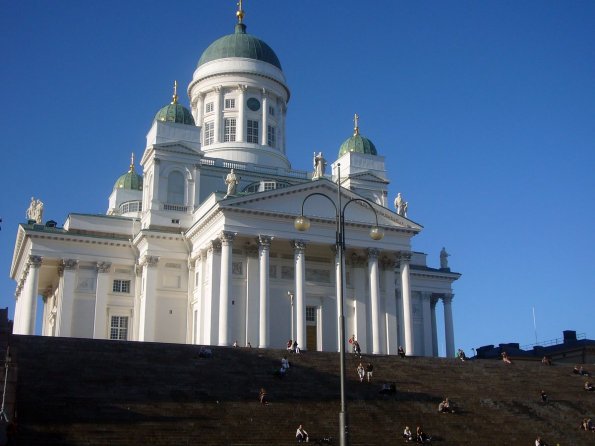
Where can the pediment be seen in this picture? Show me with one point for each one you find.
(178, 148)
(288, 201)
(367, 176)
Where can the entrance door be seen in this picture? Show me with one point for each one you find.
(311, 329)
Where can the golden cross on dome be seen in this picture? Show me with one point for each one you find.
(175, 96)
(356, 122)
(240, 12)
(132, 162)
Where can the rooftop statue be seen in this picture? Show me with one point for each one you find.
(35, 211)
(232, 180)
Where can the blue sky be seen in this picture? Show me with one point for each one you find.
(485, 112)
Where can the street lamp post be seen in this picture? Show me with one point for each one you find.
(302, 223)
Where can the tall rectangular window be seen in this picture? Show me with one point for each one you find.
(229, 130)
(310, 314)
(230, 103)
(209, 133)
(119, 328)
(121, 286)
(271, 136)
(209, 107)
(252, 131)
(271, 110)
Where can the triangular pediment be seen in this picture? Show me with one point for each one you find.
(177, 148)
(288, 201)
(367, 176)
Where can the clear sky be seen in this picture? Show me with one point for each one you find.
(484, 110)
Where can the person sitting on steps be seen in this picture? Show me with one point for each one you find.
(544, 397)
(301, 435)
(407, 435)
(461, 355)
(505, 358)
(421, 436)
(262, 397)
(446, 407)
(401, 352)
(589, 386)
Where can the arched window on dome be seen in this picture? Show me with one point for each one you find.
(175, 188)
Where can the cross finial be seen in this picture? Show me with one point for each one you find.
(132, 162)
(240, 12)
(356, 122)
(175, 95)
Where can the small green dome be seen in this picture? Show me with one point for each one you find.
(130, 180)
(175, 112)
(358, 143)
(239, 44)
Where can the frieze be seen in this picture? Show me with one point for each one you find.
(251, 250)
(358, 261)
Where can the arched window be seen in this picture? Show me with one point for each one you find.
(175, 188)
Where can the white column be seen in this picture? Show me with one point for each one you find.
(226, 238)
(218, 115)
(392, 337)
(252, 296)
(101, 290)
(433, 302)
(200, 108)
(264, 244)
(155, 193)
(265, 114)
(427, 323)
(448, 326)
(66, 297)
(138, 278)
(299, 256)
(194, 198)
(241, 122)
(404, 259)
(29, 295)
(374, 299)
(282, 111)
(211, 293)
(361, 309)
(148, 311)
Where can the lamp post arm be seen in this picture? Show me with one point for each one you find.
(321, 195)
(368, 203)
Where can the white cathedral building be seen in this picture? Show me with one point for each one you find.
(202, 249)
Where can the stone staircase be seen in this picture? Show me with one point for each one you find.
(89, 392)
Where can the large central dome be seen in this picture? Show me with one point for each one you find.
(239, 44)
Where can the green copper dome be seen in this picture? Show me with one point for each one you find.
(239, 44)
(130, 180)
(358, 143)
(175, 112)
